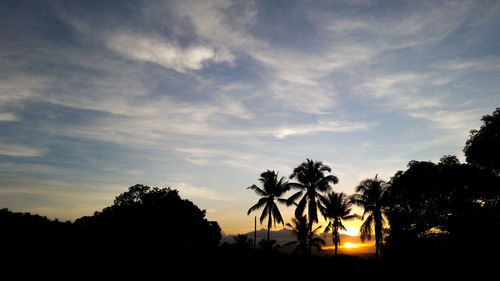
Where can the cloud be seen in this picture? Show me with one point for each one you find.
(404, 90)
(463, 120)
(187, 190)
(320, 126)
(160, 51)
(7, 116)
(17, 150)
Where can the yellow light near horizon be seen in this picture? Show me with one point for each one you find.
(350, 246)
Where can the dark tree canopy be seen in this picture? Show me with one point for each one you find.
(444, 202)
(482, 149)
(149, 212)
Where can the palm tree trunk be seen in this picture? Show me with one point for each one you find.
(269, 224)
(309, 246)
(268, 231)
(378, 234)
(334, 241)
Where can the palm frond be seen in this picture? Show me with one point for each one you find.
(276, 214)
(258, 190)
(295, 185)
(265, 212)
(291, 199)
(366, 229)
(260, 204)
(299, 211)
(328, 227)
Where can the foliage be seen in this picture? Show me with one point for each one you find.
(439, 204)
(242, 241)
(146, 212)
(312, 182)
(371, 195)
(482, 149)
(273, 189)
(337, 208)
(300, 229)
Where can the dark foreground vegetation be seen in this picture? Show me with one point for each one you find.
(431, 221)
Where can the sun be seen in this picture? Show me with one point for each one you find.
(350, 246)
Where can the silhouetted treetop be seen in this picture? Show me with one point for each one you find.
(145, 211)
(447, 204)
(482, 149)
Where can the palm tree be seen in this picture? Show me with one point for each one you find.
(299, 228)
(272, 190)
(312, 181)
(371, 196)
(242, 241)
(337, 209)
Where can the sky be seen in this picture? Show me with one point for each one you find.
(203, 96)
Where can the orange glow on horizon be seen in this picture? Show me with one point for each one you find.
(349, 245)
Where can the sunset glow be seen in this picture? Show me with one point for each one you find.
(350, 245)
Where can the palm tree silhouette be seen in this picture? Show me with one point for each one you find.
(272, 190)
(371, 196)
(300, 229)
(312, 181)
(242, 241)
(337, 209)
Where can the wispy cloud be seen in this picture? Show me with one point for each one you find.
(320, 126)
(161, 51)
(17, 150)
(189, 191)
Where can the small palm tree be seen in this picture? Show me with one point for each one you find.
(371, 196)
(312, 182)
(337, 208)
(271, 192)
(300, 229)
(242, 241)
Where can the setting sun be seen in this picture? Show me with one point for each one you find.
(350, 246)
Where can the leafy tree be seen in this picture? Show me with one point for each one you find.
(371, 196)
(482, 149)
(271, 192)
(337, 209)
(145, 211)
(432, 205)
(312, 182)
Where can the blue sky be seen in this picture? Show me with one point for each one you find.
(202, 96)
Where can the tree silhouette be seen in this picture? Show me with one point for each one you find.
(482, 149)
(269, 245)
(312, 182)
(337, 209)
(272, 191)
(371, 196)
(444, 207)
(242, 241)
(144, 211)
(299, 228)
(304, 238)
